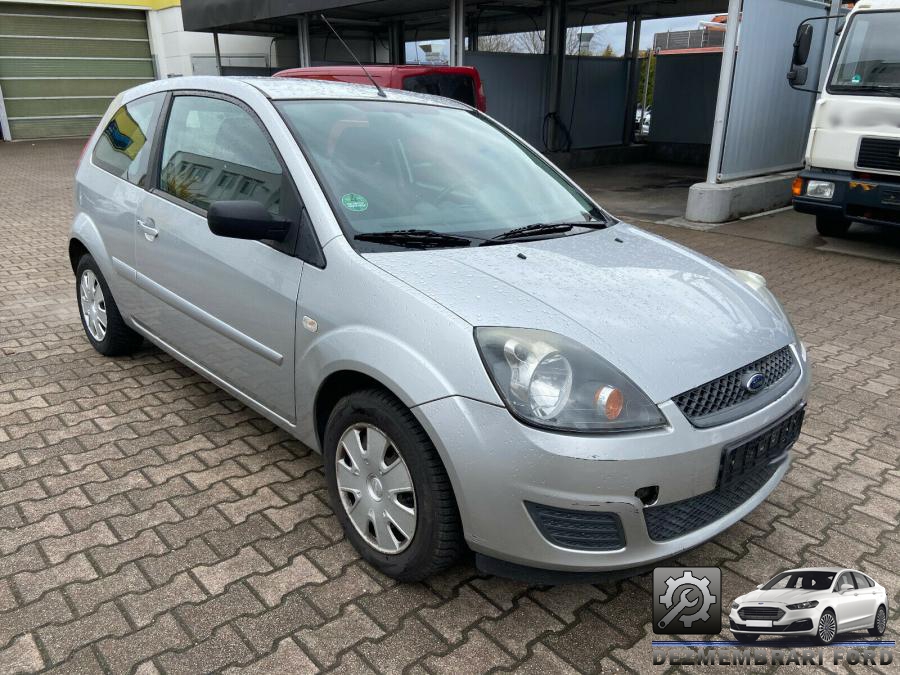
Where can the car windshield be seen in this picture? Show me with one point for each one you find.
(389, 166)
(868, 63)
(806, 580)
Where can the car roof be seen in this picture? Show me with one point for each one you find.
(284, 88)
(832, 570)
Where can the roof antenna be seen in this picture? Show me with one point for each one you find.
(350, 51)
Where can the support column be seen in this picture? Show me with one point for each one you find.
(457, 32)
(218, 54)
(723, 100)
(472, 32)
(556, 53)
(303, 40)
(632, 84)
(397, 43)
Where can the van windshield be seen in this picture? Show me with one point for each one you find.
(388, 166)
(869, 62)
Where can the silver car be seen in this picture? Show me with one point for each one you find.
(484, 357)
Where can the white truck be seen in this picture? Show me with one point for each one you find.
(852, 169)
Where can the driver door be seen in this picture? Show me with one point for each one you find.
(228, 305)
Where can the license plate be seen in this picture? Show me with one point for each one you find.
(749, 456)
(758, 624)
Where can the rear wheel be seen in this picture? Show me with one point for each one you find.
(830, 226)
(104, 326)
(388, 487)
(745, 638)
(827, 630)
(877, 630)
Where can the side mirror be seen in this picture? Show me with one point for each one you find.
(245, 219)
(802, 44)
(846, 587)
(759, 587)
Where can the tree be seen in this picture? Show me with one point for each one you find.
(609, 51)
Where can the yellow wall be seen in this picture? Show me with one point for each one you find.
(137, 4)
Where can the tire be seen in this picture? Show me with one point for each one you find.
(116, 338)
(745, 638)
(880, 625)
(435, 540)
(826, 631)
(831, 226)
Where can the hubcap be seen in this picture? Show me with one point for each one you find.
(881, 621)
(93, 305)
(376, 488)
(826, 627)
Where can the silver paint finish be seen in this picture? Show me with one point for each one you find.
(235, 311)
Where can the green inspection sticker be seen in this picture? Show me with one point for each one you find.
(354, 202)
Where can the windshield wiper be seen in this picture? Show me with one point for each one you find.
(414, 238)
(545, 228)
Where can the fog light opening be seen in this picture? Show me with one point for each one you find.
(648, 495)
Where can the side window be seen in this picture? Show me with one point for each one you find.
(846, 578)
(214, 150)
(861, 580)
(123, 148)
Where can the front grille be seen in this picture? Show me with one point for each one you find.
(802, 624)
(879, 153)
(761, 613)
(705, 405)
(669, 521)
(582, 530)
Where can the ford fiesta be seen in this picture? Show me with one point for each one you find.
(820, 602)
(482, 354)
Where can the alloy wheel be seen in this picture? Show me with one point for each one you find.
(827, 627)
(93, 305)
(376, 488)
(881, 620)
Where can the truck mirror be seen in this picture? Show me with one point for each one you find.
(797, 76)
(802, 44)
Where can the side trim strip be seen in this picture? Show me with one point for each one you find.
(207, 319)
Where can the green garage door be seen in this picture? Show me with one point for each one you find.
(60, 66)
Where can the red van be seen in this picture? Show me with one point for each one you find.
(462, 83)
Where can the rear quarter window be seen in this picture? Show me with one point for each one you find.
(123, 148)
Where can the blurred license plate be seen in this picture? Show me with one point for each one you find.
(759, 624)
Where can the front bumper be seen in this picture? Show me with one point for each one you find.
(499, 467)
(792, 621)
(866, 200)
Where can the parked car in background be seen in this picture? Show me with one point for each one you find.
(461, 83)
(482, 354)
(820, 602)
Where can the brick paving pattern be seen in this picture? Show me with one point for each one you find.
(149, 521)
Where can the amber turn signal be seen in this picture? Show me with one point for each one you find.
(610, 402)
(797, 187)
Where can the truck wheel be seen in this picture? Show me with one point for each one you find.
(829, 226)
(104, 326)
(388, 487)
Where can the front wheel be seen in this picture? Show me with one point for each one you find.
(877, 630)
(388, 487)
(827, 630)
(830, 226)
(745, 638)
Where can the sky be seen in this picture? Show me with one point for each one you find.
(613, 34)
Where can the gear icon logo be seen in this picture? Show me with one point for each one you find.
(687, 600)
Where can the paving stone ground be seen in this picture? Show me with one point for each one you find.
(149, 521)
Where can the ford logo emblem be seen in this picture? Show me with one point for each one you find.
(754, 382)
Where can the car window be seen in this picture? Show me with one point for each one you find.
(861, 580)
(845, 578)
(123, 149)
(807, 580)
(215, 150)
(457, 87)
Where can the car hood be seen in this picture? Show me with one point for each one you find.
(666, 316)
(786, 596)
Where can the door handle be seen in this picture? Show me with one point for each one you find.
(151, 232)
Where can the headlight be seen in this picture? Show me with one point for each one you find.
(551, 381)
(820, 189)
(735, 605)
(804, 605)
(752, 279)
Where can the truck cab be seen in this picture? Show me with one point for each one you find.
(852, 171)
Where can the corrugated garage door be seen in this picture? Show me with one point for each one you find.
(60, 66)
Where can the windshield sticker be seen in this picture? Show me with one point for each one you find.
(856, 79)
(354, 202)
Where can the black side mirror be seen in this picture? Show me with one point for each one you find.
(802, 44)
(245, 219)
